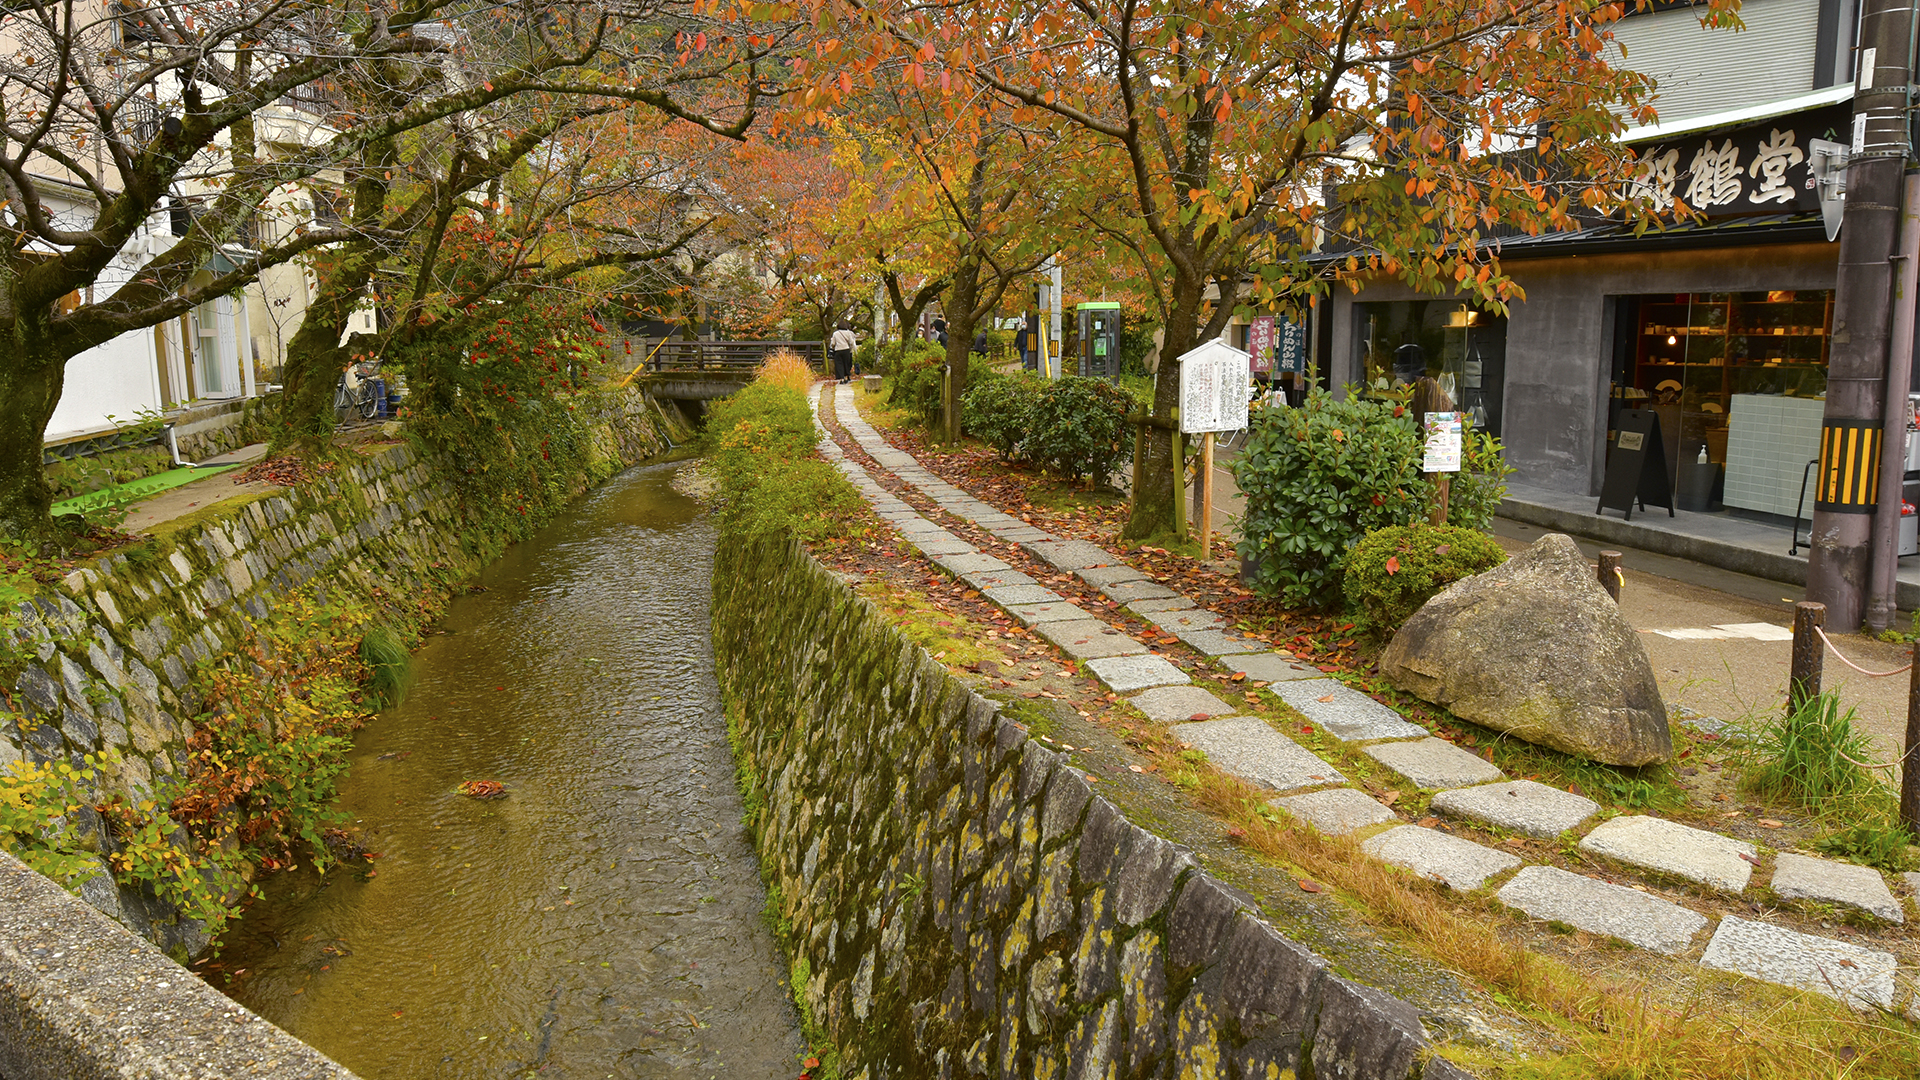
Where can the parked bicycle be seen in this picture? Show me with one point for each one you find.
(360, 390)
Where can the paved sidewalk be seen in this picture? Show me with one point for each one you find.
(1316, 793)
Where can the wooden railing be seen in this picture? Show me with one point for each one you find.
(675, 355)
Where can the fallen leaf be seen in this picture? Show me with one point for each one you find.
(1393, 565)
(1329, 697)
(1769, 823)
(1750, 858)
(1848, 964)
(1200, 716)
(1429, 822)
(1311, 886)
(1238, 676)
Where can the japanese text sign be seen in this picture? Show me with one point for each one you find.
(1215, 380)
(1443, 442)
(1260, 342)
(1766, 167)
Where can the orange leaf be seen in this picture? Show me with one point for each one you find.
(1393, 565)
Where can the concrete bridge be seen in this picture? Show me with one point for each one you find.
(705, 370)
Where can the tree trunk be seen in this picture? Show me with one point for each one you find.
(1155, 474)
(961, 317)
(315, 356)
(30, 387)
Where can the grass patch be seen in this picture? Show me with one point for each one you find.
(1814, 759)
(389, 667)
(947, 636)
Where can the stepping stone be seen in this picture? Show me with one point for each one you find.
(1522, 806)
(1178, 619)
(1220, 642)
(1548, 892)
(1086, 639)
(919, 525)
(1250, 749)
(933, 548)
(1009, 595)
(1798, 877)
(1142, 592)
(1458, 864)
(969, 562)
(993, 579)
(1125, 674)
(1035, 614)
(1173, 703)
(1860, 977)
(1672, 848)
(1097, 576)
(898, 517)
(1434, 764)
(1072, 554)
(1146, 606)
(1336, 811)
(1347, 714)
(1268, 667)
(1022, 534)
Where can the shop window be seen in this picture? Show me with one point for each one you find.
(1462, 347)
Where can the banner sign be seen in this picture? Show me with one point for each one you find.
(1260, 343)
(1291, 348)
(1443, 443)
(1767, 167)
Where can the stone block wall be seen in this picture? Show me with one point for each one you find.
(960, 901)
(106, 657)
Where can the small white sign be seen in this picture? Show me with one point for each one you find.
(1443, 443)
(1215, 380)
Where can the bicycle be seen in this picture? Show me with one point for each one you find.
(363, 396)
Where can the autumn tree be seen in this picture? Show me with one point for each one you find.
(1202, 135)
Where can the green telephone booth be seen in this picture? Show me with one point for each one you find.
(1100, 339)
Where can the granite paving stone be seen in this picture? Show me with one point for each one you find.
(1523, 806)
(1456, 863)
(1268, 667)
(1168, 704)
(1672, 848)
(970, 562)
(1125, 674)
(1435, 764)
(1108, 575)
(1138, 592)
(1336, 811)
(1021, 534)
(1148, 605)
(1089, 638)
(1860, 977)
(1072, 554)
(1249, 748)
(993, 579)
(1008, 595)
(933, 548)
(1346, 714)
(1637, 918)
(1035, 614)
(1912, 878)
(1220, 642)
(1798, 877)
(1179, 619)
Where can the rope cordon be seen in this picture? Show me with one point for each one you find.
(1869, 674)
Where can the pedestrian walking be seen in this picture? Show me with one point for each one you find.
(940, 332)
(980, 343)
(1023, 342)
(841, 346)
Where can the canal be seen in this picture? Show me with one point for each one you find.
(603, 918)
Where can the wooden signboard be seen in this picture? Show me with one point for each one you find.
(1637, 469)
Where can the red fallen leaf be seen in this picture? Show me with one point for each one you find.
(1311, 886)
(811, 1063)
(1236, 832)
(1750, 858)
(1200, 716)
(1306, 729)
(1393, 565)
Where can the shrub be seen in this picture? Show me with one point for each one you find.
(1078, 427)
(1476, 490)
(1392, 571)
(761, 441)
(1316, 480)
(1807, 758)
(786, 370)
(917, 373)
(998, 409)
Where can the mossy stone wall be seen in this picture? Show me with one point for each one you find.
(960, 902)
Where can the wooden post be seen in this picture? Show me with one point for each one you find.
(1179, 480)
(1206, 496)
(1803, 682)
(1442, 485)
(1910, 761)
(1609, 571)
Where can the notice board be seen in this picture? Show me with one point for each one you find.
(1637, 468)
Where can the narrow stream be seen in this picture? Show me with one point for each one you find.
(600, 920)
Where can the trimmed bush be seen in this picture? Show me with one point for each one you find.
(1079, 428)
(915, 375)
(1393, 571)
(1316, 480)
(998, 409)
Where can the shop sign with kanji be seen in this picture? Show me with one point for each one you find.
(1763, 168)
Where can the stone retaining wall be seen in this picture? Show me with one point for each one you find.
(962, 904)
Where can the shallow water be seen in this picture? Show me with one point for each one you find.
(602, 919)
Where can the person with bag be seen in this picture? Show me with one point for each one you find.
(841, 346)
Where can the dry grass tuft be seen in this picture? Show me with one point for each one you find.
(786, 370)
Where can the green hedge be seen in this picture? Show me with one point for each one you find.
(1393, 571)
(1071, 426)
(761, 443)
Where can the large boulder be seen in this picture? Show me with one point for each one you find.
(1536, 648)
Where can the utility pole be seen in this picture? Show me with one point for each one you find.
(1850, 438)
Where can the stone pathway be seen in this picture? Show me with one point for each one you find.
(1469, 787)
